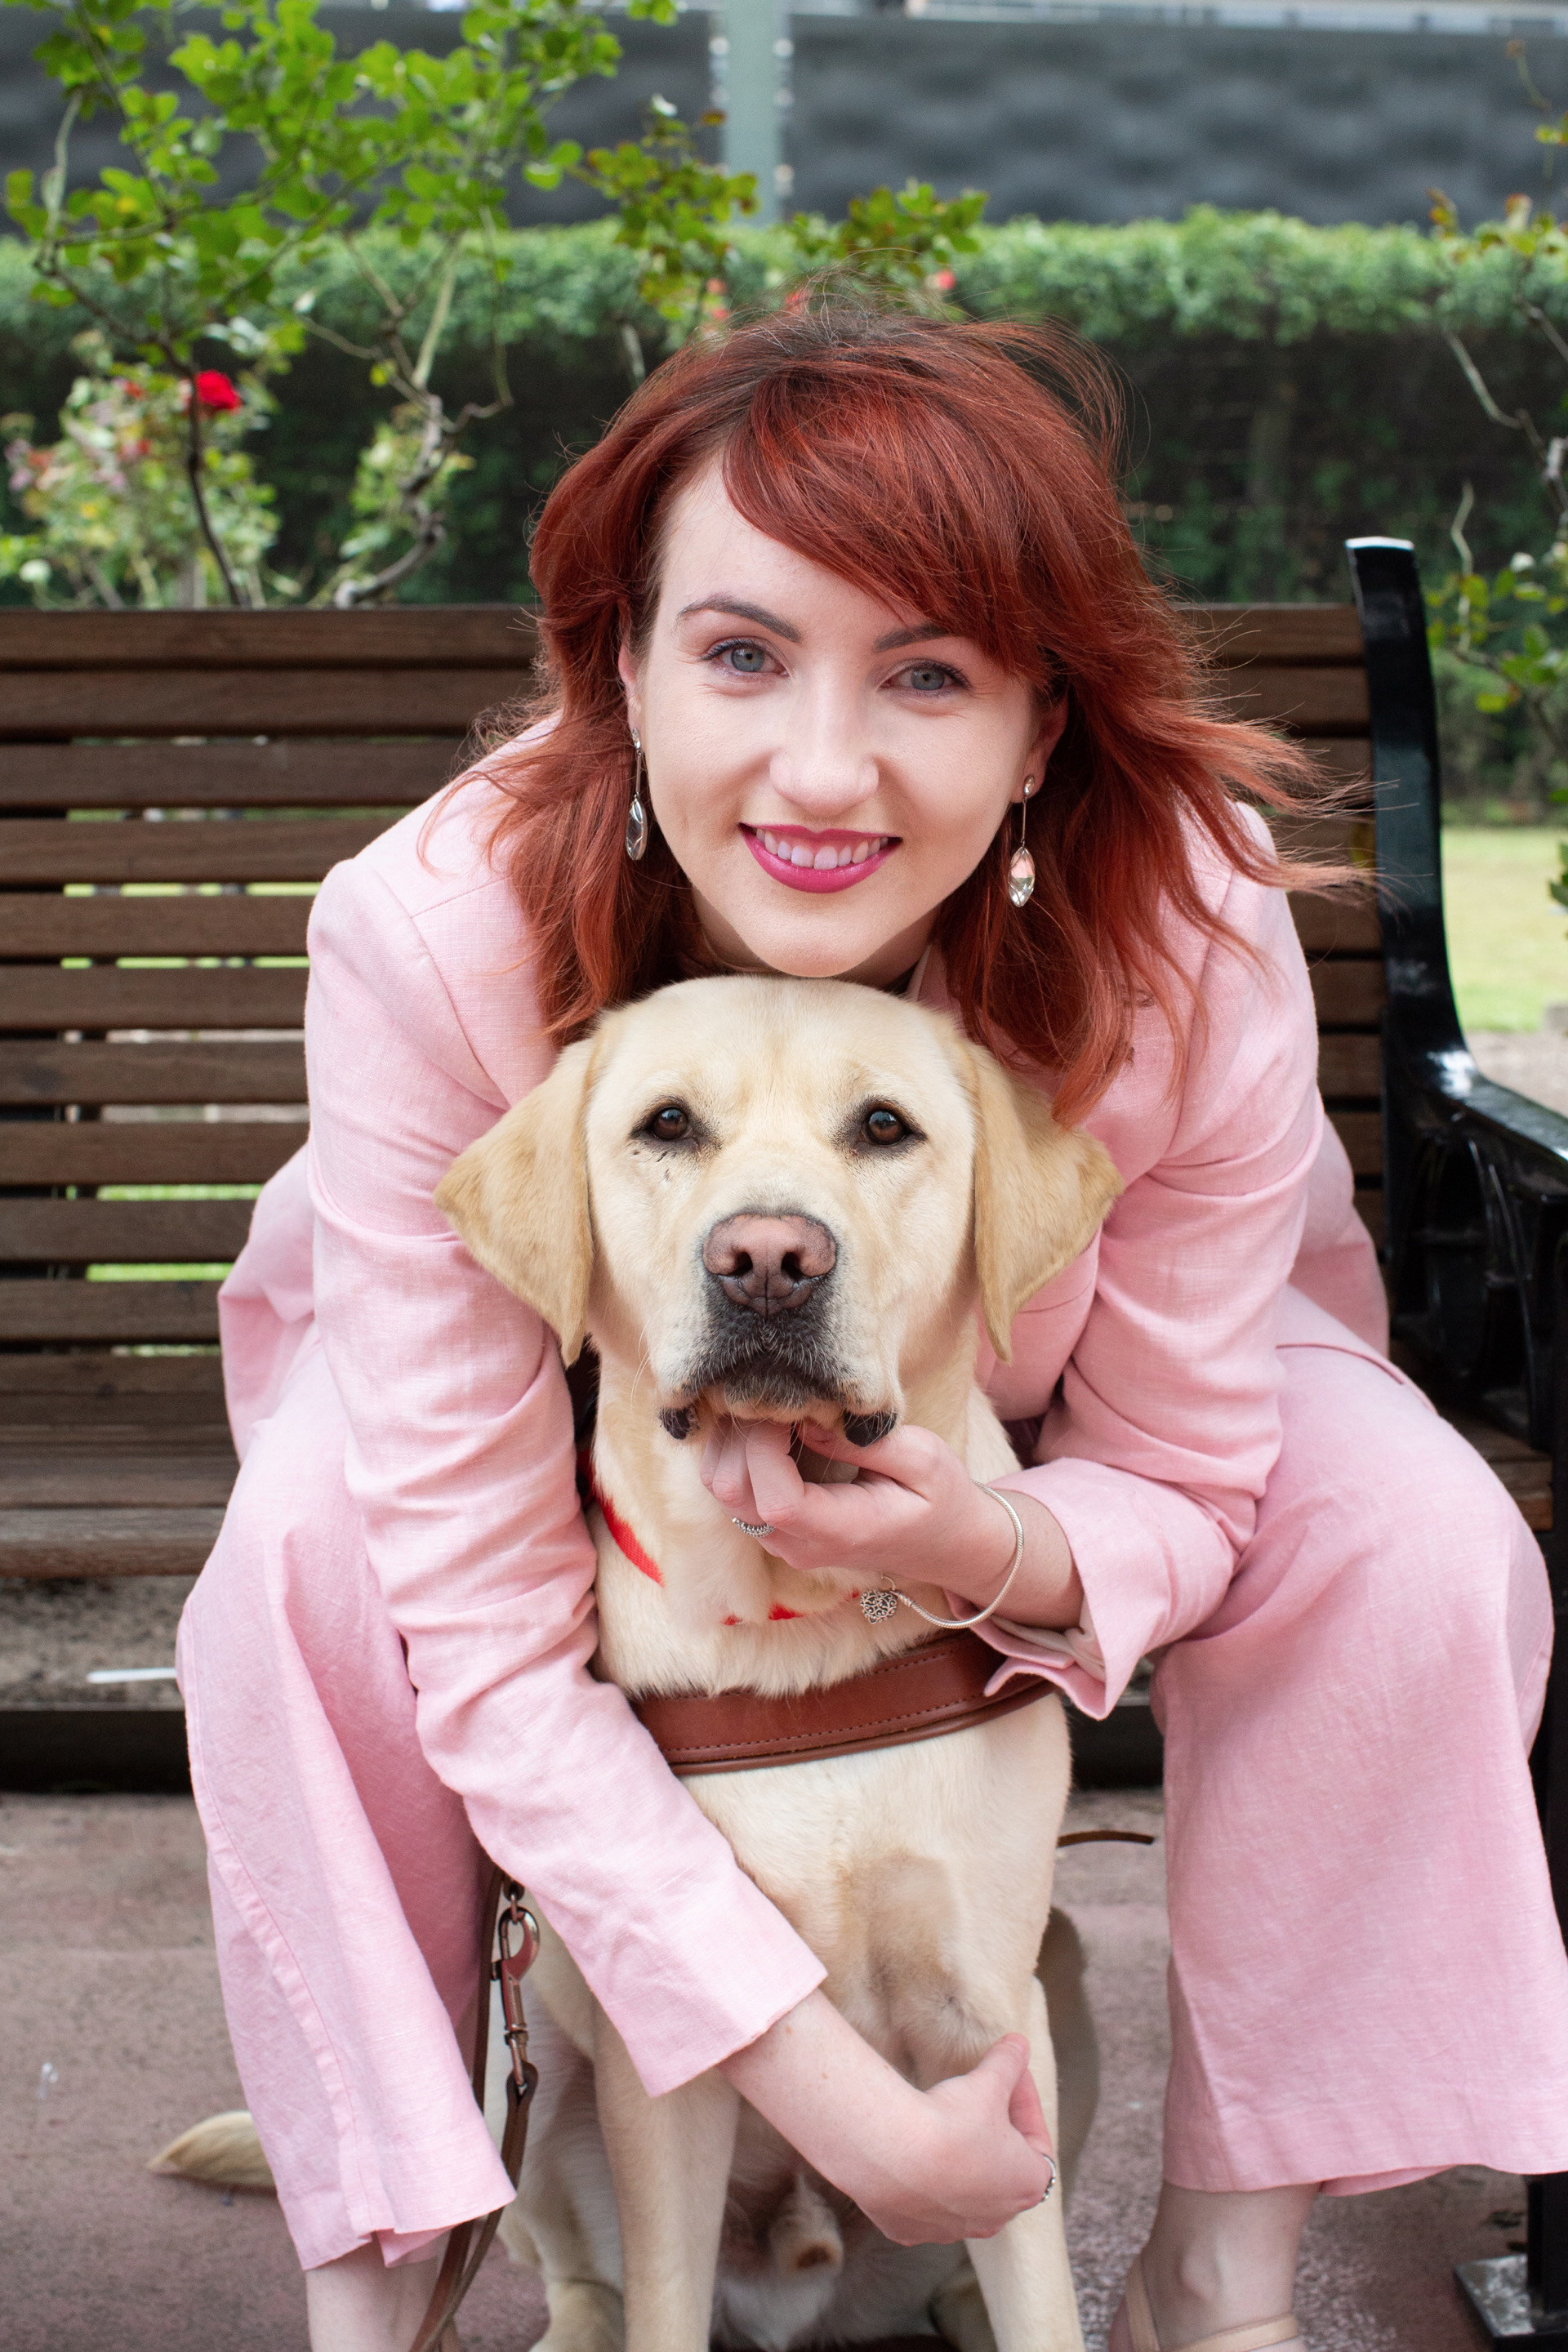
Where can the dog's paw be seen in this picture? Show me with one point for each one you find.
(223, 2150)
(584, 2317)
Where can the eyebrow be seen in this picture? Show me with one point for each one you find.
(921, 633)
(742, 611)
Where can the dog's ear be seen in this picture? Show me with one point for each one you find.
(519, 1198)
(1040, 1192)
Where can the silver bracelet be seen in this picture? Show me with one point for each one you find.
(879, 1606)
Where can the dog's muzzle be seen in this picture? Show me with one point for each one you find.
(767, 1342)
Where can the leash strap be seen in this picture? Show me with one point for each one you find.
(511, 1931)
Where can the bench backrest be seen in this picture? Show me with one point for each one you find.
(173, 787)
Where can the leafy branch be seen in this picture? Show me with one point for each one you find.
(425, 147)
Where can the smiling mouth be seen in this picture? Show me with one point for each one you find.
(822, 861)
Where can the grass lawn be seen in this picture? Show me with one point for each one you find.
(1508, 941)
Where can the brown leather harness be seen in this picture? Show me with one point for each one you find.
(918, 1694)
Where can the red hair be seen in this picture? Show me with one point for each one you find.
(966, 472)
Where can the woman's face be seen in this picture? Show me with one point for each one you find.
(826, 768)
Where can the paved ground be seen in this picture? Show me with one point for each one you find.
(110, 2017)
(1533, 1062)
(53, 1632)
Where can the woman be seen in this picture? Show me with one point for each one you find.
(845, 629)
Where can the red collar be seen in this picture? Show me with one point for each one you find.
(623, 1537)
(625, 1541)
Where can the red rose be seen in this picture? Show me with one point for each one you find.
(214, 390)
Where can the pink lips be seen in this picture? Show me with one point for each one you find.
(815, 878)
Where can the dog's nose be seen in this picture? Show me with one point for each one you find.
(769, 1264)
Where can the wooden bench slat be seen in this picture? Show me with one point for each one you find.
(1350, 1066)
(236, 1071)
(42, 1476)
(1361, 1132)
(1309, 701)
(1346, 926)
(111, 1420)
(143, 1232)
(206, 850)
(82, 1376)
(175, 923)
(40, 703)
(104, 1399)
(1341, 761)
(108, 1543)
(127, 1312)
(392, 636)
(47, 997)
(224, 774)
(1233, 634)
(1351, 993)
(146, 1150)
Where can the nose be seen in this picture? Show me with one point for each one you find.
(771, 1265)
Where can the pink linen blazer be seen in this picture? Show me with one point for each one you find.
(1153, 1360)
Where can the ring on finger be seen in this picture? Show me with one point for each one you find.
(765, 1528)
(1050, 2183)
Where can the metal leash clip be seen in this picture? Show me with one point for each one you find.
(512, 1964)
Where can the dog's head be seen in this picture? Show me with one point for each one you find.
(783, 1195)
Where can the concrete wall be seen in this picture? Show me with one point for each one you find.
(1129, 116)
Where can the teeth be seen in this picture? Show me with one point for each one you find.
(822, 861)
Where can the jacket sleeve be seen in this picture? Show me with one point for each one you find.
(1156, 1450)
(460, 1460)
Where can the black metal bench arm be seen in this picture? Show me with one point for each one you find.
(1475, 1176)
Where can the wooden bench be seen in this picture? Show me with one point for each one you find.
(173, 786)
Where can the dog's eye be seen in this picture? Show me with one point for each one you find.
(884, 1127)
(669, 1124)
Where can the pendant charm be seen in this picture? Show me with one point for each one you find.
(1021, 879)
(637, 830)
(877, 1607)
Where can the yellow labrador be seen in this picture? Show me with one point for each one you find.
(783, 1200)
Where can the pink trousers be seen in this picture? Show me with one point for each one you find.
(1367, 1978)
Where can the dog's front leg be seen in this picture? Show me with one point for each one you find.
(670, 2159)
(1024, 2272)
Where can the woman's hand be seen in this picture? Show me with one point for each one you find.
(927, 2166)
(913, 1514)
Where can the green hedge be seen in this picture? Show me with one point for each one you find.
(1289, 387)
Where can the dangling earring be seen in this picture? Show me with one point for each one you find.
(1021, 870)
(636, 815)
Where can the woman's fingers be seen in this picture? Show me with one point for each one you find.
(1024, 2112)
(989, 2158)
(747, 1466)
(909, 1488)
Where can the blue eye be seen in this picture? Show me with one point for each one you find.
(745, 660)
(929, 677)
